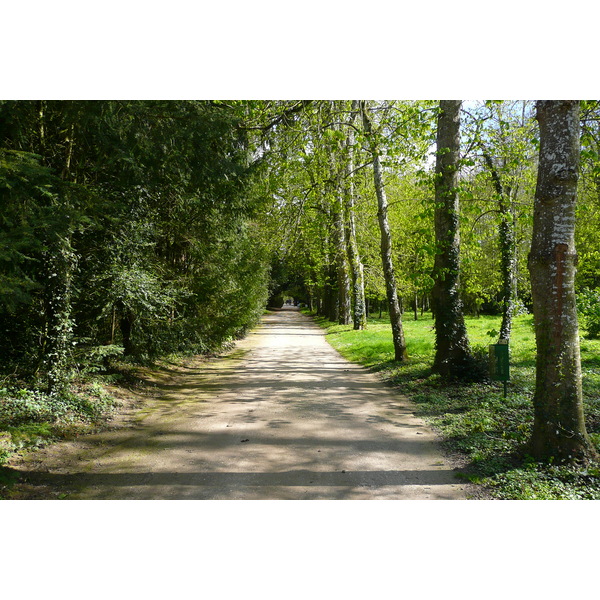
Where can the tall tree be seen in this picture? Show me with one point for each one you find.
(400, 352)
(507, 248)
(60, 257)
(503, 135)
(359, 312)
(336, 157)
(453, 357)
(559, 427)
(131, 223)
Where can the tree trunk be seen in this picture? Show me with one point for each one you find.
(559, 426)
(416, 306)
(60, 267)
(331, 294)
(344, 310)
(359, 316)
(60, 264)
(113, 325)
(507, 265)
(400, 353)
(126, 324)
(453, 354)
(329, 306)
(506, 239)
(341, 260)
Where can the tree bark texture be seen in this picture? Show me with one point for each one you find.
(559, 428)
(400, 353)
(453, 354)
(359, 316)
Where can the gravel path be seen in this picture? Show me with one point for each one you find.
(281, 417)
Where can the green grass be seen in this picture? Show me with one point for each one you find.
(475, 421)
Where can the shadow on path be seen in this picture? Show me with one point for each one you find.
(284, 416)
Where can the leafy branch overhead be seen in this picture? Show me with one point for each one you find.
(159, 227)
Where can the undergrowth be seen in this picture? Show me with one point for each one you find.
(31, 418)
(477, 423)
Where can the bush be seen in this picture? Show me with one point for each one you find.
(24, 406)
(588, 306)
(276, 301)
(95, 359)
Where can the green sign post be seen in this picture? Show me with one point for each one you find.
(499, 364)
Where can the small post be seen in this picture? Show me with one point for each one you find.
(499, 363)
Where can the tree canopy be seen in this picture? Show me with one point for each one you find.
(143, 228)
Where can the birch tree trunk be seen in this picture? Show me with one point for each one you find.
(559, 426)
(453, 354)
(386, 243)
(359, 316)
(341, 259)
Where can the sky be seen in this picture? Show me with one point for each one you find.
(324, 49)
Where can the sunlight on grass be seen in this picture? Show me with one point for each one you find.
(420, 338)
(475, 420)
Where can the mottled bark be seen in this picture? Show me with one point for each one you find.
(386, 243)
(453, 354)
(559, 426)
(359, 316)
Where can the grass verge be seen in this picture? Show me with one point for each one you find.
(476, 422)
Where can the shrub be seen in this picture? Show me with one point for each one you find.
(276, 301)
(22, 406)
(588, 305)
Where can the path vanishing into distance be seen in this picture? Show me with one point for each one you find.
(283, 416)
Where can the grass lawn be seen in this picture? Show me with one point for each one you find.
(476, 422)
